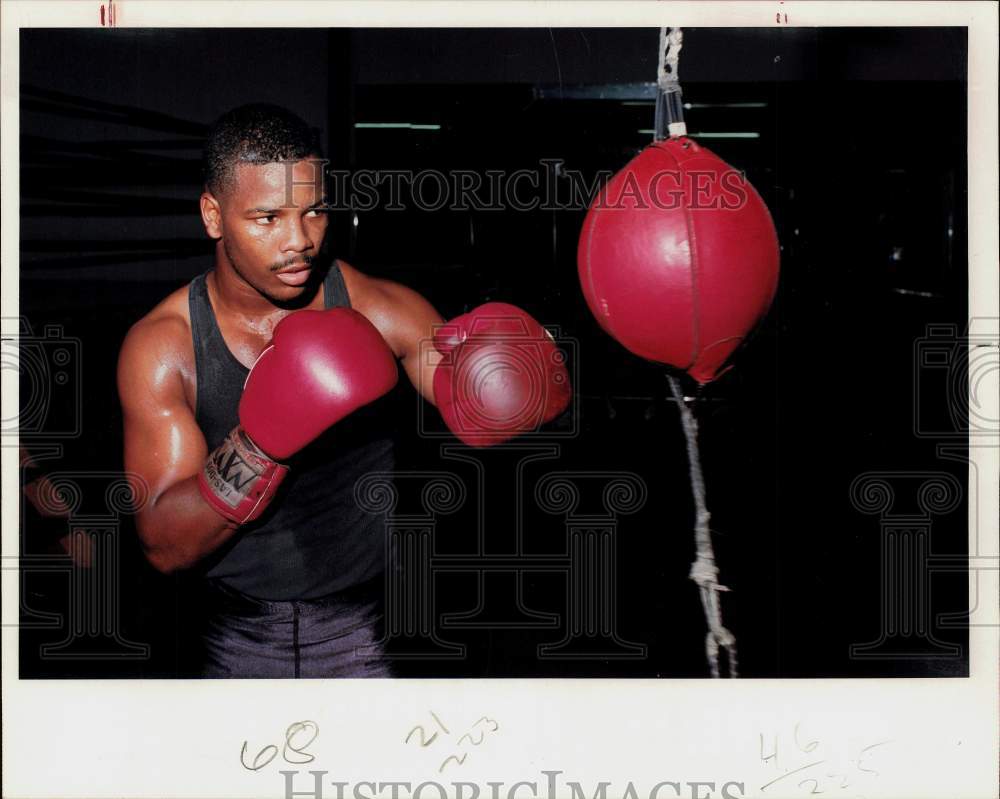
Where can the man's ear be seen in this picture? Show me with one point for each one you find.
(211, 215)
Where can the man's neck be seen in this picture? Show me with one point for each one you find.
(236, 298)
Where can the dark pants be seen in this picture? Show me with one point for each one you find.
(335, 636)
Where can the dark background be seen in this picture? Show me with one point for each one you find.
(861, 157)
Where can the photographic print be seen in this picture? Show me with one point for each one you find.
(482, 388)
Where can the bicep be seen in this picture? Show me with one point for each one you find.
(420, 367)
(409, 322)
(163, 443)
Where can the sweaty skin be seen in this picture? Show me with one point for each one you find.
(263, 247)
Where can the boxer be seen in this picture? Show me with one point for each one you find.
(253, 400)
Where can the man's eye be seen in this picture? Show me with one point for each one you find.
(315, 212)
(265, 220)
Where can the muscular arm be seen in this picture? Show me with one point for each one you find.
(406, 321)
(164, 448)
(479, 409)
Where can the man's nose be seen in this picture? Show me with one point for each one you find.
(296, 240)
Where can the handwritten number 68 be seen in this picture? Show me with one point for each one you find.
(298, 736)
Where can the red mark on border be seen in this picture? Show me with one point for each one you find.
(108, 14)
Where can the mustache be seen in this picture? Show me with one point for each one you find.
(302, 260)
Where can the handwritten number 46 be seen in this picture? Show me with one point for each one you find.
(298, 736)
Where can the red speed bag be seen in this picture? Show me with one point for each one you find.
(678, 257)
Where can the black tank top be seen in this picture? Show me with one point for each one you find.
(313, 540)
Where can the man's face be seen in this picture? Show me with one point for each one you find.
(272, 225)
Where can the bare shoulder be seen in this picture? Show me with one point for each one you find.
(406, 321)
(157, 353)
(402, 315)
(364, 290)
(375, 296)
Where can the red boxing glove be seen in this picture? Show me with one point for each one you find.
(320, 367)
(502, 375)
(238, 479)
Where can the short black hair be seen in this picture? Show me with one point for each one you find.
(259, 133)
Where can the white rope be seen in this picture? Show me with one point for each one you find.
(671, 42)
(669, 114)
(704, 572)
